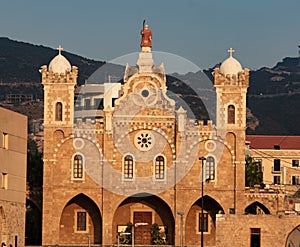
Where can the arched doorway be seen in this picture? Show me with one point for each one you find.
(33, 224)
(144, 208)
(293, 238)
(257, 208)
(80, 222)
(193, 222)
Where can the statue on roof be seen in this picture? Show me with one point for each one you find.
(146, 42)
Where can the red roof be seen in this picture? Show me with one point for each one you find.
(274, 142)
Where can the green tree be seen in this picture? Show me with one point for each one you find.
(35, 182)
(253, 172)
(157, 237)
(34, 165)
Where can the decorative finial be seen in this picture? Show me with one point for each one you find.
(231, 51)
(59, 48)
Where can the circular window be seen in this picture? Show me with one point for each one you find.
(143, 140)
(78, 143)
(145, 93)
(210, 145)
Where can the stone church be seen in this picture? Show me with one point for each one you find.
(144, 162)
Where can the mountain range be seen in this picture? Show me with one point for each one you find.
(273, 97)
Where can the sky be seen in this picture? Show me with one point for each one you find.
(261, 32)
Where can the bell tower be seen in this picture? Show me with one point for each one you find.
(59, 81)
(231, 82)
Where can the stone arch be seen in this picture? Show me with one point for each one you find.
(157, 130)
(33, 224)
(84, 211)
(210, 205)
(256, 208)
(85, 137)
(154, 79)
(3, 226)
(126, 144)
(132, 208)
(217, 148)
(91, 152)
(193, 218)
(293, 238)
(215, 139)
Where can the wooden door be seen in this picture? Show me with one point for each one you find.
(142, 235)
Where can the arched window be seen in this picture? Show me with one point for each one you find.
(210, 168)
(160, 167)
(58, 111)
(78, 166)
(231, 114)
(128, 167)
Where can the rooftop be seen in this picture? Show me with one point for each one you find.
(274, 142)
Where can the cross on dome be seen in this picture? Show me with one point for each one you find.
(59, 48)
(231, 51)
(59, 64)
(230, 66)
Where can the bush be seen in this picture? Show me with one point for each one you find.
(157, 237)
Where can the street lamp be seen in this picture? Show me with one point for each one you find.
(136, 225)
(181, 216)
(202, 214)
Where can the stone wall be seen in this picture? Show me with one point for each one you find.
(12, 223)
(274, 229)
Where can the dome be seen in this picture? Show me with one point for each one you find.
(230, 66)
(59, 64)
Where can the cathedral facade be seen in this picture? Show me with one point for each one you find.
(145, 162)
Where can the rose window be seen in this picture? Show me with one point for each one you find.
(144, 140)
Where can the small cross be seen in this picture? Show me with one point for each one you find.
(231, 51)
(59, 49)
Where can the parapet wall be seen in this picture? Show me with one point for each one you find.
(274, 229)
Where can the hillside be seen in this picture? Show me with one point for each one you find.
(274, 98)
(20, 63)
(277, 115)
(273, 93)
